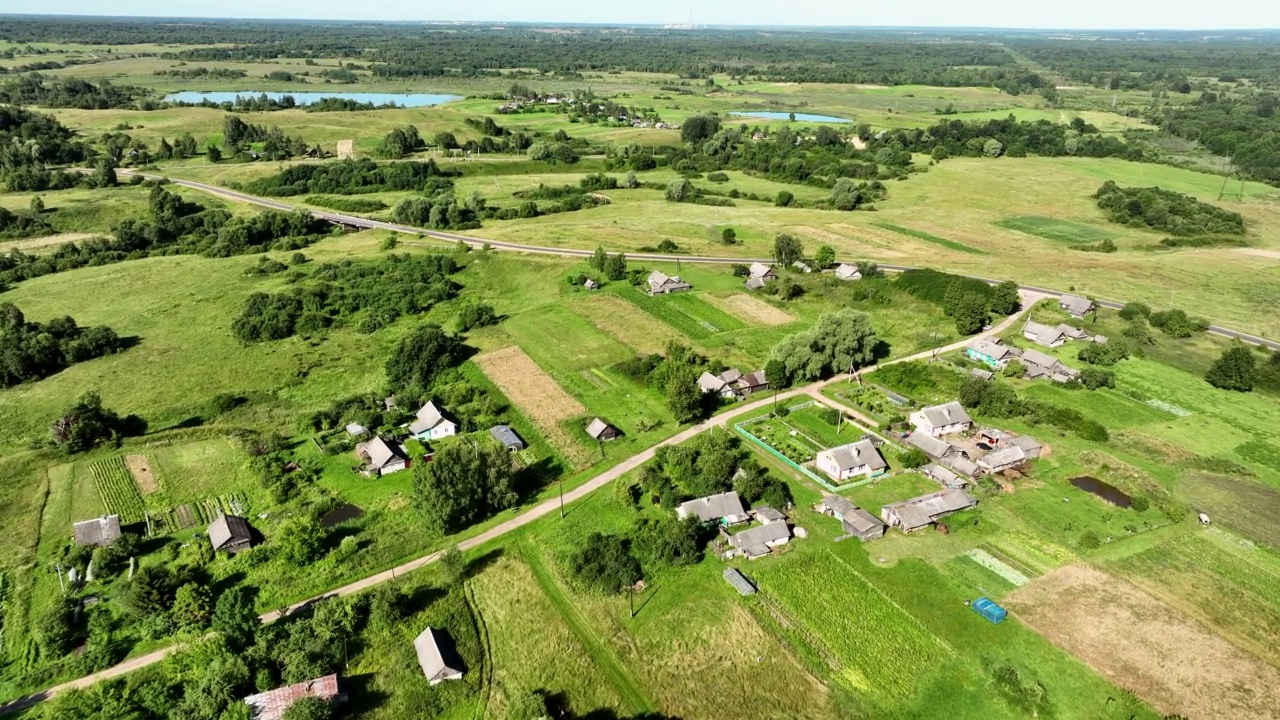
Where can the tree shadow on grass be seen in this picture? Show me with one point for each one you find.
(483, 562)
(362, 697)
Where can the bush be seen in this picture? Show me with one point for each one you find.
(1105, 354)
(1139, 503)
(1095, 379)
(1089, 540)
(1235, 370)
(784, 199)
(1135, 310)
(829, 415)
(604, 563)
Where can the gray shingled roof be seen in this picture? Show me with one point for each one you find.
(846, 271)
(760, 535)
(1075, 304)
(1002, 458)
(431, 659)
(943, 475)
(838, 504)
(98, 531)
(429, 416)
(228, 529)
(1043, 333)
(1027, 443)
(714, 507)
(760, 270)
(505, 435)
(860, 521)
(709, 383)
(920, 511)
(380, 452)
(932, 446)
(855, 455)
(596, 428)
(990, 347)
(946, 414)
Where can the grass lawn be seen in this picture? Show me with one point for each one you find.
(1056, 229)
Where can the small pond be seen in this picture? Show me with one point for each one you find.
(339, 515)
(306, 98)
(800, 117)
(1104, 490)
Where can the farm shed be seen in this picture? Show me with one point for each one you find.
(854, 519)
(845, 271)
(739, 582)
(601, 430)
(768, 515)
(99, 531)
(1043, 334)
(725, 508)
(273, 704)
(356, 430)
(919, 512)
(989, 610)
(943, 476)
(508, 437)
(437, 657)
(230, 534)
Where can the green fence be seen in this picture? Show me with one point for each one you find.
(741, 428)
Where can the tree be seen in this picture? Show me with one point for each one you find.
(462, 483)
(213, 153)
(787, 250)
(418, 358)
(784, 199)
(453, 565)
(152, 589)
(604, 563)
(236, 618)
(446, 140)
(667, 542)
(1235, 370)
(37, 205)
(308, 708)
(87, 424)
(106, 174)
(615, 267)
(728, 236)
(825, 257)
(992, 148)
(1005, 299)
(838, 342)
(1135, 310)
(192, 605)
(683, 396)
(913, 458)
(791, 117)
(599, 258)
(680, 190)
(970, 313)
(476, 315)
(300, 541)
(699, 128)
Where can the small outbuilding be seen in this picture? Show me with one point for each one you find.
(989, 610)
(761, 539)
(356, 430)
(99, 531)
(739, 582)
(273, 704)
(724, 508)
(230, 534)
(601, 431)
(508, 437)
(591, 284)
(436, 656)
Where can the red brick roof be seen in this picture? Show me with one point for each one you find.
(272, 704)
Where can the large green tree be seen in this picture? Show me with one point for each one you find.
(787, 250)
(418, 358)
(839, 341)
(1235, 370)
(462, 483)
(236, 618)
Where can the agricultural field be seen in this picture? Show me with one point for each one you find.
(116, 487)
(537, 395)
(1065, 231)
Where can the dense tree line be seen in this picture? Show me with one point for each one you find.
(379, 292)
(958, 138)
(1176, 213)
(31, 350)
(1149, 63)
(174, 226)
(352, 177)
(969, 301)
(36, 89)
(1247, 130)
(995, 399)
(29, 142)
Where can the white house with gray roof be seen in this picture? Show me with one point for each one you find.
(431, 424)
(759, 540)
(436, 657)
(662, 284)
(1043, 334)
(858, 459)
(1076, 306)
(382, 457)
(845, 271)
(939, 420)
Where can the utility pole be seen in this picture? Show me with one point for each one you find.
(58, 569)
(631, 595)
(560, 485)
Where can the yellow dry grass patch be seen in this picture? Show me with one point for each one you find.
(630, 325)
(143, 477)
(537, 395)
(751, 310)
(1147, 646)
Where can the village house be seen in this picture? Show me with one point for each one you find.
(382, 457)
(98, 531)
(939, 420)
(766, 515)
(1072, 332)
(757, 136)
(273, 704)
(1076, 306)
(920, 512)
(1043, 334)
(230, 534)
(944, 477)
(750, 383)
(662, 284)
(943, 452)
(845, 271)
(730, 384)
(801, 266)
(858, 459)
(431, 424)
(601, 431)
(1040, 365)
(436, 656)
(991, 351)
(760, 540)
(508, 437)
(758, 275)
(854, 520)
(724, 508)
(1013, 452)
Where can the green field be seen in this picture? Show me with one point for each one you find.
(927, 237)
(1056, 229)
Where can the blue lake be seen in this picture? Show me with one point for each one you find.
(306, 98)
(800, 117)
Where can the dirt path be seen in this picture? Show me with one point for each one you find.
(533, 514)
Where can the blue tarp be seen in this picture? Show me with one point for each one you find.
(989, 610)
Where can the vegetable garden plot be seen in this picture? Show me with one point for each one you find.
(116, 487)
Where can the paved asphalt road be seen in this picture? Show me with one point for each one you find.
(361, 222)
(537, 512)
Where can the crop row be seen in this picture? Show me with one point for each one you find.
(667, 312)
(868, 632)
(114, 483)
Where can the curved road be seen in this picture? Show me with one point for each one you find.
(366, 223)
(541, 510)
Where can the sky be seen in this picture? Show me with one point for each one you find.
(1068, 14)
